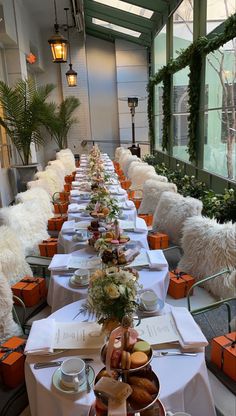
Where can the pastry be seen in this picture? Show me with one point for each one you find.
(142, 346)
(104, 373)
(125, 360)
(138, 359)
(144, 383)
(116, 358)
(140, 397)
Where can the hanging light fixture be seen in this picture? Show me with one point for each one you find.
(71, 75)
(58, 42)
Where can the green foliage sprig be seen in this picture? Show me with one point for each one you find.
(193, 56)
(222, 207)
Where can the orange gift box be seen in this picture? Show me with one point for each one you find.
(158, 240)
(147, 218)
(223, 353)
(55, 224)
(125, 184)
(180, 283)
(48, 247)
(69, 178)
(137, 202)
(12, 362)
(61, 208)
(67, 187)
(30, 289)
(64, 196)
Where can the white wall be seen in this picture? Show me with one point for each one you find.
(103, 93)
(132, 78)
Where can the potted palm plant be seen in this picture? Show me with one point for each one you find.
(61, 120)
(24, 112)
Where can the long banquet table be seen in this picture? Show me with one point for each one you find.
(183, 380)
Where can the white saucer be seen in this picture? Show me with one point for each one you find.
(156, 311)
(74, 282)
(56, 381)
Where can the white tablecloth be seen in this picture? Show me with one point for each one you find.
(61, 293)
(183, 380)
(67, 245)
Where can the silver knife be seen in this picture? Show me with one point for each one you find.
(37, 366)
(167, 353)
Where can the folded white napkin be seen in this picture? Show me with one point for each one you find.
(75, 183)
(156, 259)
(140, 225)
(75, 192)
(129, 204)
(74, 208)
(40, 340)
(68, 227)
(191, 335)
(59, 262)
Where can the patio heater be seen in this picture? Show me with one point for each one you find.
(132, 104)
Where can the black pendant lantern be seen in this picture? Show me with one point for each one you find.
(71, 75)
(58, 43)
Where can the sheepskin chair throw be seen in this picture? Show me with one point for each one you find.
(129, 162)
(124, 152)
(132, 166)
(29, 224)
(67, 158)
(12, 258)
(209, 248)
(40, 183)
(152, 190)
(139, 175)
(159, 178)
(40, 196)
(125, 162)
(118, 151)
(171, 212)
(8, 327)
(50, 177)
(55, 176)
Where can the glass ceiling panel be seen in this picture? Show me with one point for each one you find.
(117, 28)
(127, 7)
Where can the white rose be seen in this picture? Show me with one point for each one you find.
(112, 291)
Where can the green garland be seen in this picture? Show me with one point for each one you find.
(192, 56)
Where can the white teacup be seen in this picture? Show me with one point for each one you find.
(73, 373)
(149, 300)
(81, 276)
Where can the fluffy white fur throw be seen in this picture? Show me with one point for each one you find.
(209, 248)
(152, 190)
(51, 178)
(8, 328)
(118, 151)
(29, 224)
(40, 183)
(12, 259)
(132, 166)
(171, 212)
(125, 162)
(140, 175)
(68, 160)
(41, 196)
(154, 176)
(123, 152)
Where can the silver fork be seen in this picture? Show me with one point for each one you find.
(157, 354)
(88, 387)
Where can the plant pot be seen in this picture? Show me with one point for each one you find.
(24, 174)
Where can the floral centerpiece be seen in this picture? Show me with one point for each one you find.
(112, 295)
(103, 200)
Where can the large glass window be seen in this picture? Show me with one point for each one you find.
(220, 110)
(182, 26)
(218, 11)
(159, 61)
(180, 114)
